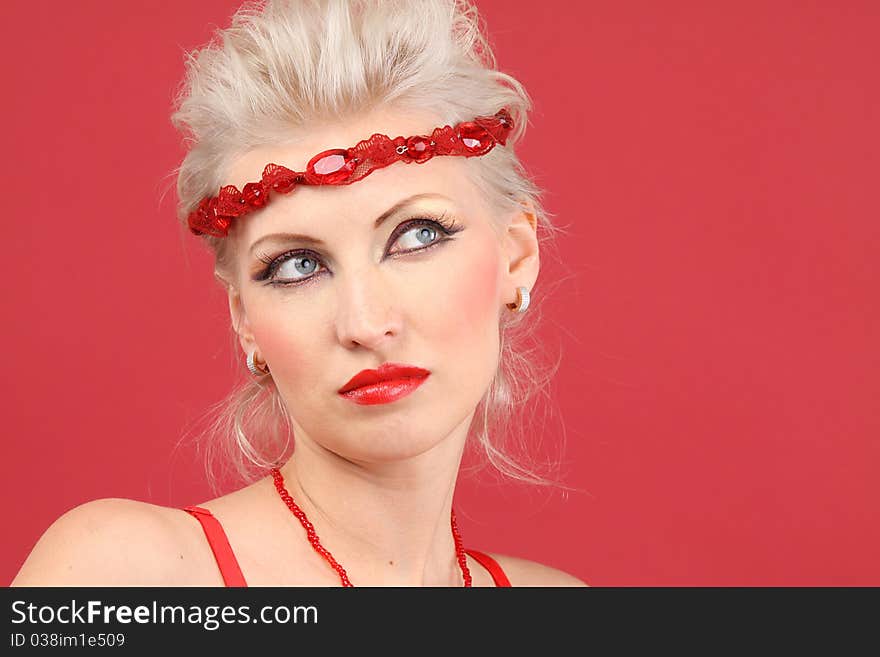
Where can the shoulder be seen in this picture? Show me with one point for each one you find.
(522, 572)
(108, 542)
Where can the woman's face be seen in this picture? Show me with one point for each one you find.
(359, 295)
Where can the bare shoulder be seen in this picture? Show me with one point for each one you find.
(109, 542)
(522, 572)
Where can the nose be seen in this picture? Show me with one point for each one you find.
(367, 314)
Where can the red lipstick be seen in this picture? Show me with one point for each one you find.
(387, 384)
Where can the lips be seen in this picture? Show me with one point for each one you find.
(389, 383)
(387, 373)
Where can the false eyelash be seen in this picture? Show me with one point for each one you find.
(448, 227)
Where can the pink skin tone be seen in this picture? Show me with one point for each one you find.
(377, 480)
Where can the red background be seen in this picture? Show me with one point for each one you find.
(717, 166)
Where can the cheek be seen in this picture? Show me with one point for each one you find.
(274, 338)
(287, 350)
(467, 307)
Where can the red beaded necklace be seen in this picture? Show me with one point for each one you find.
(324, 552)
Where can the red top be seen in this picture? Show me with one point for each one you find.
(231, 572)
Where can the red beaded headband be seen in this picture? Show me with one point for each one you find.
(342, 166)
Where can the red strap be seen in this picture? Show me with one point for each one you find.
(492, 566)
(223, 553)
(232, 575)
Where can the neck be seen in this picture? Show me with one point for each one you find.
(387, 524)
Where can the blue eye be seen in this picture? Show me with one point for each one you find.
(423, 235)
(287, 267)
(301, 265)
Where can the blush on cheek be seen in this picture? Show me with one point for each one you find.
(279, 329)
(473, 298)
(466, 329)
(290, 366)
(278, 349)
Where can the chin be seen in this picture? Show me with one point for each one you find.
(390, 444)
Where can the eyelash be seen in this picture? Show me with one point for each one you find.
(447, 228)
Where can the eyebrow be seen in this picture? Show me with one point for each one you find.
(308, 239)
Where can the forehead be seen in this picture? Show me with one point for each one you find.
(306, 207)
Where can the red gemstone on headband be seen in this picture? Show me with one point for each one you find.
(499, 126)
(221, 224)
(419, 148)
(254, 195)
(330, 167)
(206, 220)
(475, 138)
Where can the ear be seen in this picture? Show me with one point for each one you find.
(238, 316)
(521, 247)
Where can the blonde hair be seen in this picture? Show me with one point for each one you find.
(283, 65)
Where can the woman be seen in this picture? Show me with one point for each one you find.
(371, 313)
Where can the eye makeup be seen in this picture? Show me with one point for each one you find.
(444, 226)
